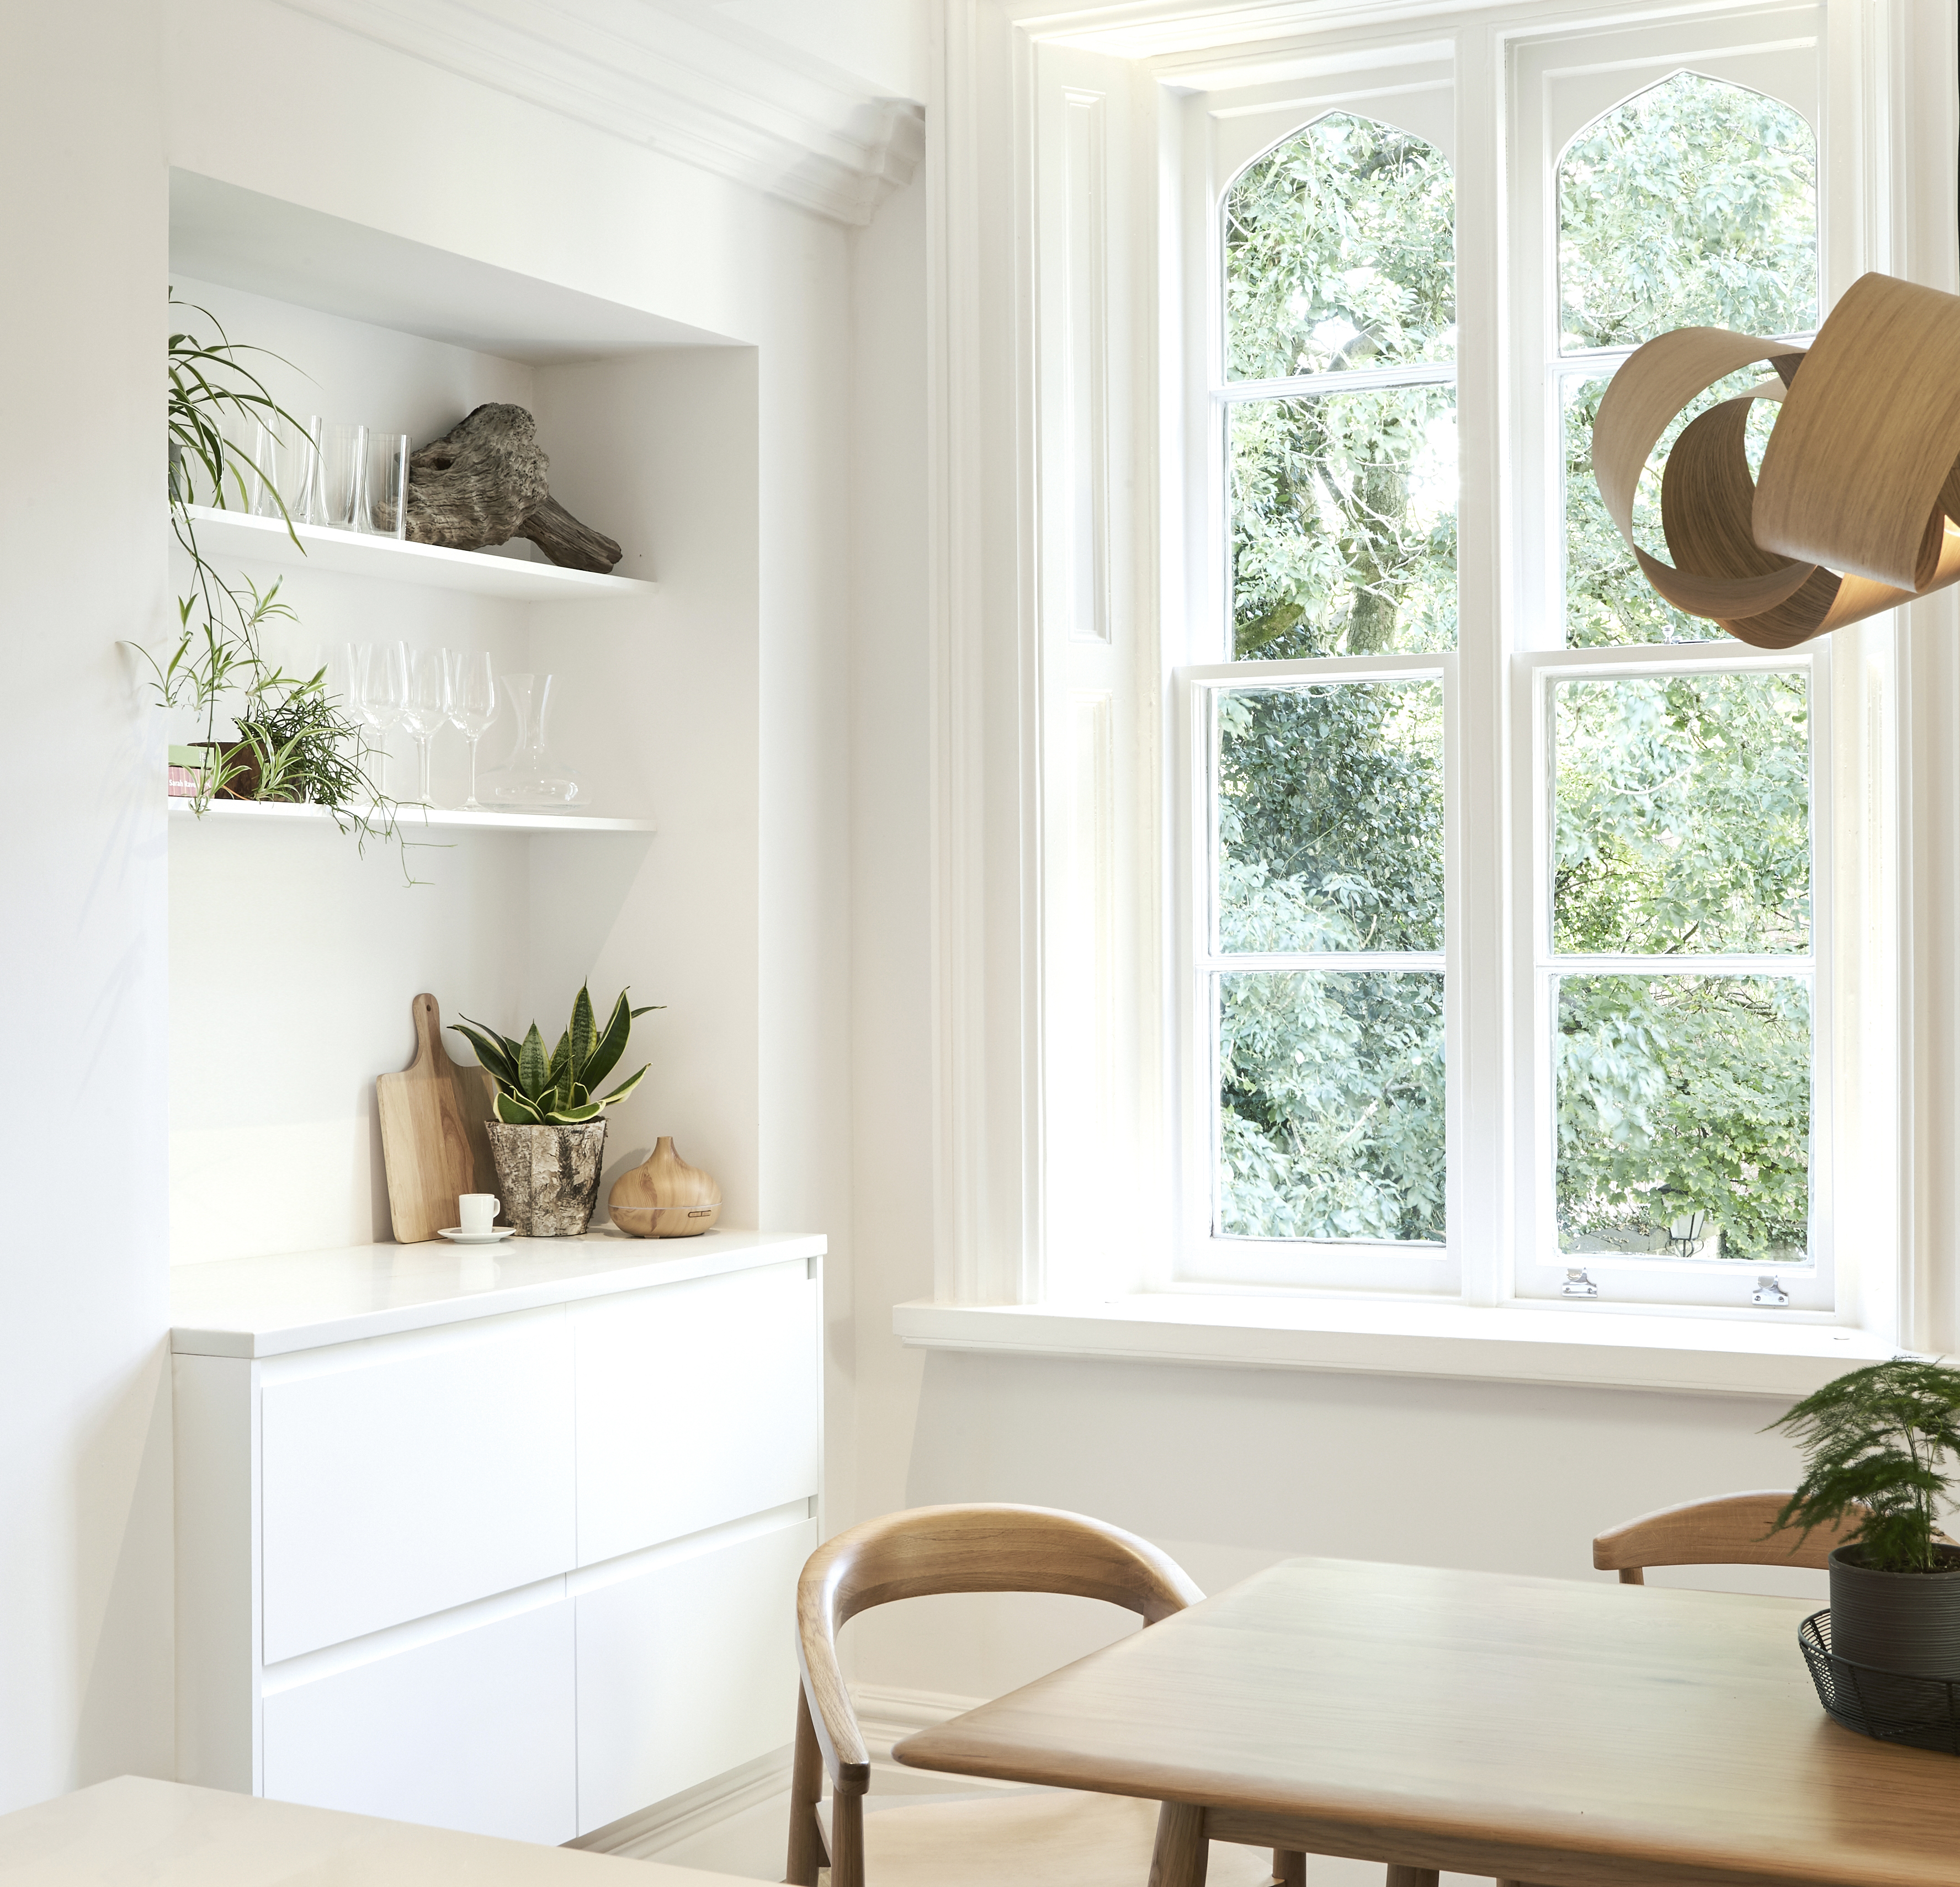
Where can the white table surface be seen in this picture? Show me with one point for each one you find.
(133, 1832)
(300, 1301)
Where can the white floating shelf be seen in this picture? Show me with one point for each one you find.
(223, 534)
(411, 819)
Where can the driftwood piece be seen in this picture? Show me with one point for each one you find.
(1855, 509)
(482, 483)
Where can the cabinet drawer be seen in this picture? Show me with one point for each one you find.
(418, 1473)
(697, 1404)
(473, 1731)
(687, 1671)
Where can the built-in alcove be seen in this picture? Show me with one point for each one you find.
(294, 957)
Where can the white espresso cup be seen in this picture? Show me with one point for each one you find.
(479, 1211)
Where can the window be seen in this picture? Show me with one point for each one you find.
(1654, 916)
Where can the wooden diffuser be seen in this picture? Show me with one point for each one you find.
(664, 1197)
(1854, 511)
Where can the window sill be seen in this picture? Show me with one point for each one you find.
(1687, 1355)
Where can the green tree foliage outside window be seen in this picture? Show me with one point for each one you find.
(1694, 203)
(1340, 253)
(1330, 840)
(1682, 829)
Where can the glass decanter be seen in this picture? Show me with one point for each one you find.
(530, 777)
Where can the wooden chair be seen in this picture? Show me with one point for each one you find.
(1047, 1836)
(1725, 1530)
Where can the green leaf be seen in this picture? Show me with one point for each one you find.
(584, 1035)
(625, 1088)
(534, 1074)
(490, 1051)
(571, 1116)
(606, 1051)
(515, 1111)
(560, 1061)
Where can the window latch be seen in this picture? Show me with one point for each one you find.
(1768, 1291)
(1577, 1284)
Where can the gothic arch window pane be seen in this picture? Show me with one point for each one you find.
(1694, 203)
(1340, 252)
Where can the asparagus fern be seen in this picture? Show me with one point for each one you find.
(535, 1089)
(1877, 1441)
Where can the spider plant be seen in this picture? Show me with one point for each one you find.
(295, 741)
(537, 1090)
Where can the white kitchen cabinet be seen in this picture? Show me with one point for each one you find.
(672, 1440)
(408, 1473)
(474, 1729)
(673, 1680)
(502, 1543)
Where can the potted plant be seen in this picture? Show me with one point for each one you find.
(548, 1137)
(1875, 1445)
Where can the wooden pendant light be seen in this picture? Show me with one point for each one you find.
(1855, 512)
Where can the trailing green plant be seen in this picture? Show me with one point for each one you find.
(1876, 1443)
(295, 741)
(537, 1090)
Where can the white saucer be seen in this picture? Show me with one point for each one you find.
(457, 1236)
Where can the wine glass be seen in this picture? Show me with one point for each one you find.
(425, 708)
(473, 703)
(383, 669)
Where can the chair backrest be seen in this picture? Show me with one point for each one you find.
(1725, 1530)
(909, 1555)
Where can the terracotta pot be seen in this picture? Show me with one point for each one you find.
(1904, 1622)
(547, 1177)
(664, 1197)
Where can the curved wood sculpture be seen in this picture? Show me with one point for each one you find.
(1855, 511)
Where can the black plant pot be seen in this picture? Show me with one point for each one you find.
(1906, 1622)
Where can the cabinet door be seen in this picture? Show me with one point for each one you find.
(697, 1403)
(473, 1731)
(687, 1671)
(414, 1474)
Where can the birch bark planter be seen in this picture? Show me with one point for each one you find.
(547, 1177)
(664, 1197)
(1904, 1622)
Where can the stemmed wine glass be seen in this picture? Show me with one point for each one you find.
(384, 692)
(425, 708)
(473, 703)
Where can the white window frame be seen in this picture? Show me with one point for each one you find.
(1021, 1221)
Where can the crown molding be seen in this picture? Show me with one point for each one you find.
(675, 76)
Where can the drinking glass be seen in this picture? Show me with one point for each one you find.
(268, 469)
(343, 476)
(472, 704)
(384, 692)
(425, 708)
(384, 510)
(308, 501)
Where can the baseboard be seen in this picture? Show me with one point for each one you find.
(641, 1835)
(885, 1715)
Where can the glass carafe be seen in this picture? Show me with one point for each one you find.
(530, 777)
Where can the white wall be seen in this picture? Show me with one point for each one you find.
(84, 1451)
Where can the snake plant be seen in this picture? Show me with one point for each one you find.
(537, 1090)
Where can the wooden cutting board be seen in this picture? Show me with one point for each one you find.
(432, 1137)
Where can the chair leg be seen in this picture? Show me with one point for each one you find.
(1289, 1868)
(1410, 1876)
(1182, 1851)
(806, 1854)
(846, 1834)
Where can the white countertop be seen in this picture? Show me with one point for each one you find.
(300, 1301)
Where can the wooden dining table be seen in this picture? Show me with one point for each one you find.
(1556, 1732)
